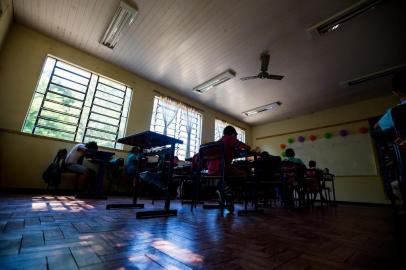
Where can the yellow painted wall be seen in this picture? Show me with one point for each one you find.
(5, 19)
(348, 188)
(23, 158)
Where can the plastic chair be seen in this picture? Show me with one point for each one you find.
(313, 185)
(292, 183)
(269, 173)
(209, 152)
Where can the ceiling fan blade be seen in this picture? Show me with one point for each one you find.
(249, 78)
(264, 62)
(275, 77)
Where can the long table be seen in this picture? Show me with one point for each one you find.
(147, 140)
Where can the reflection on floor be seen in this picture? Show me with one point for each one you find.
(60, 232)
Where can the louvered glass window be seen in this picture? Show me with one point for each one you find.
(75, 104)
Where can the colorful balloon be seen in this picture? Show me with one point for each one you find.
(283, 154)
(343, 132)
(312, 137)
(301, 139)
(363, 130)
(290, 140)
(283, 146)
(328, 135)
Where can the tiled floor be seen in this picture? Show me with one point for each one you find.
(47, 232)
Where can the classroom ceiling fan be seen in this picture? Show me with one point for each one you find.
(264, 68)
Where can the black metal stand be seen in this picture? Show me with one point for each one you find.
(145, 140)
(134, 204)
(167, 212)
(127, 205)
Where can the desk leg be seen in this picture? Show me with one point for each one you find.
(129, 205)
(334, 192)
(99, 185)
(167, 212)
(256, 210)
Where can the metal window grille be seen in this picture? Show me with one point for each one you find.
(177, 128)
(219, 126)
(75, 104)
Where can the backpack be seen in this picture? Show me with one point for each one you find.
(52, 175)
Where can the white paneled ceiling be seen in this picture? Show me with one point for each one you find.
(180, 44)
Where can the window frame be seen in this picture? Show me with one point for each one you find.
(178, 128)
(83, 83)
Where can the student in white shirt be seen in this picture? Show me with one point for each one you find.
(75, 157)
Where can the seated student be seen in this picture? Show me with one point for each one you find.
(312, 164)
(399, 90)
(74, 159)
(314, 175)
(231, 145)
(132, 162)
(290, 156)
(155, 176)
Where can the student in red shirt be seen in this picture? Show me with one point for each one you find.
(231, 146)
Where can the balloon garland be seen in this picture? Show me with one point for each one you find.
(327, 135)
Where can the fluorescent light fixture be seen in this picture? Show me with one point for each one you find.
(333, 22)
(123, 18)
(373, 76)
(264, 108)
(223, 77)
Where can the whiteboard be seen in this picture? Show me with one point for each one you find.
(343, 156)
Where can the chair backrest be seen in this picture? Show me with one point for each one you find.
(313, 179)
(291, 172)
(212, 152)
(398, 117)
(52, 175)
(60, 157)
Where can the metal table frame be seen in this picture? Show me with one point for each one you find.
(147, 140)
